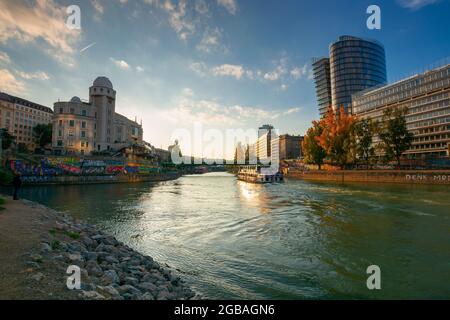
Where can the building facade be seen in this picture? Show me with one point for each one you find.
(20, 116)
(426, 97)
(354, 65)
(84, 127)
(321, 71)
(264, 143)
(290, 147)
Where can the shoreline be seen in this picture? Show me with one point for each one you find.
(38, 244)
(411, 177)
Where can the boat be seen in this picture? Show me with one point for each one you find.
(258, 174)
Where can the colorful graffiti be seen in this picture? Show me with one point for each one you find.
(58, 166)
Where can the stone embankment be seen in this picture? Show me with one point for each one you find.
(109, 269)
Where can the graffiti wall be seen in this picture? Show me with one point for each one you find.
(58, 166)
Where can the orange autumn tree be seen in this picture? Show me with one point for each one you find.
(337, 138)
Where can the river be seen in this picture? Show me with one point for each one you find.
(295, 240)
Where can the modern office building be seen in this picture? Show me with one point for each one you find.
(83, 127)
(290, 147)
(426, 97)
(321, 71)
(263, 144)
(355, 64)
(20, 116)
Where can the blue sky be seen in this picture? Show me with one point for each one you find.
(227, 64)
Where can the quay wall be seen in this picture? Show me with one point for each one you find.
(101, 179)
(439, 177)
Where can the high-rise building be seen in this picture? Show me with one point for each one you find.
(355, 64)
(321, 70)
(290, 147)
(426, 97)
(20, 116)
(83, 127)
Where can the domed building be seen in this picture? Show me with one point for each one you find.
(82, 127)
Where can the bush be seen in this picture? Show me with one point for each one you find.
(6, 177)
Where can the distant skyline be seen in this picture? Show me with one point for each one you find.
(227, 64)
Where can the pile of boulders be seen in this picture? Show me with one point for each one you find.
(109, 269)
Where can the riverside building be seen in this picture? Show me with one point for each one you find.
(20, 116)
(355, 64)
(84, 127)
(426, 97)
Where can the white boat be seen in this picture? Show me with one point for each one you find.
(257, 174)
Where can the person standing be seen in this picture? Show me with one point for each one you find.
(17, 183)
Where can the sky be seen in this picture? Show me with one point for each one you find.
(209, 64)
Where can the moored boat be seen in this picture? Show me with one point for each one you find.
(256, 174)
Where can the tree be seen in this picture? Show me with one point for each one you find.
(394, 134)
(312, 151)
(337, 137)
(364, 130)
(7, 139)
(42, 134)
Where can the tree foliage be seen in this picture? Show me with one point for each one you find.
(394, 134)
(42, 134)
(312, 151)
(7, 139)
(337, 137)
(364, 131)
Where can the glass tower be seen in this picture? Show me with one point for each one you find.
(355, 64)
(321, 70)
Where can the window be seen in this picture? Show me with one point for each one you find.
(61, 110)
(60, 143)
(83, 113)
(83, 124)
(72, 123)
(83, 134)
(59, 133)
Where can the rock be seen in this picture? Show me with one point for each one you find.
(131, 281)
(36, 258)
(91, 295)
(33, 265)
(146, 296)
(148, 287)
(126, 288)
(110, 277)
(93, 269)
(111, 259)
(75, 258)
(108, 291)
(37, 277)
(163, 295)
(91, 256)
(97, 237)
(45, 247)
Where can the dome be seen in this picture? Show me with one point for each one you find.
(103, 82)
(75, 99)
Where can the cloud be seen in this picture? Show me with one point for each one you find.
(415, 4)
(235, 71)
(39, 75)
(4, 58)
(230, 5)
(199, 68)
(211, 41)
(10, 84)
(121, 64)
(291, 111)
(183, 25)
(98, 6)
(43, 21)
(201, 7)
(139, 69)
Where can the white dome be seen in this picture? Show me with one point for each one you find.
(75, 99)
(103, 82)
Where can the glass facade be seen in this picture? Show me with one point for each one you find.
(426, 97)
(321, 70)
(355, 65)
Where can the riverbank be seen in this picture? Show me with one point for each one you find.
(37, 245)
(101, 179)
(438, 177)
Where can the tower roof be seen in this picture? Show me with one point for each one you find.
(103, 82)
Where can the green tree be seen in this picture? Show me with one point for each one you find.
(42, 134)
(394, 134)
(312, 151)
(364, 131)
(7, 139)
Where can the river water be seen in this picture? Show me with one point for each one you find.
(296, 240)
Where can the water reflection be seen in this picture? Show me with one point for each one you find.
(231, 239)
